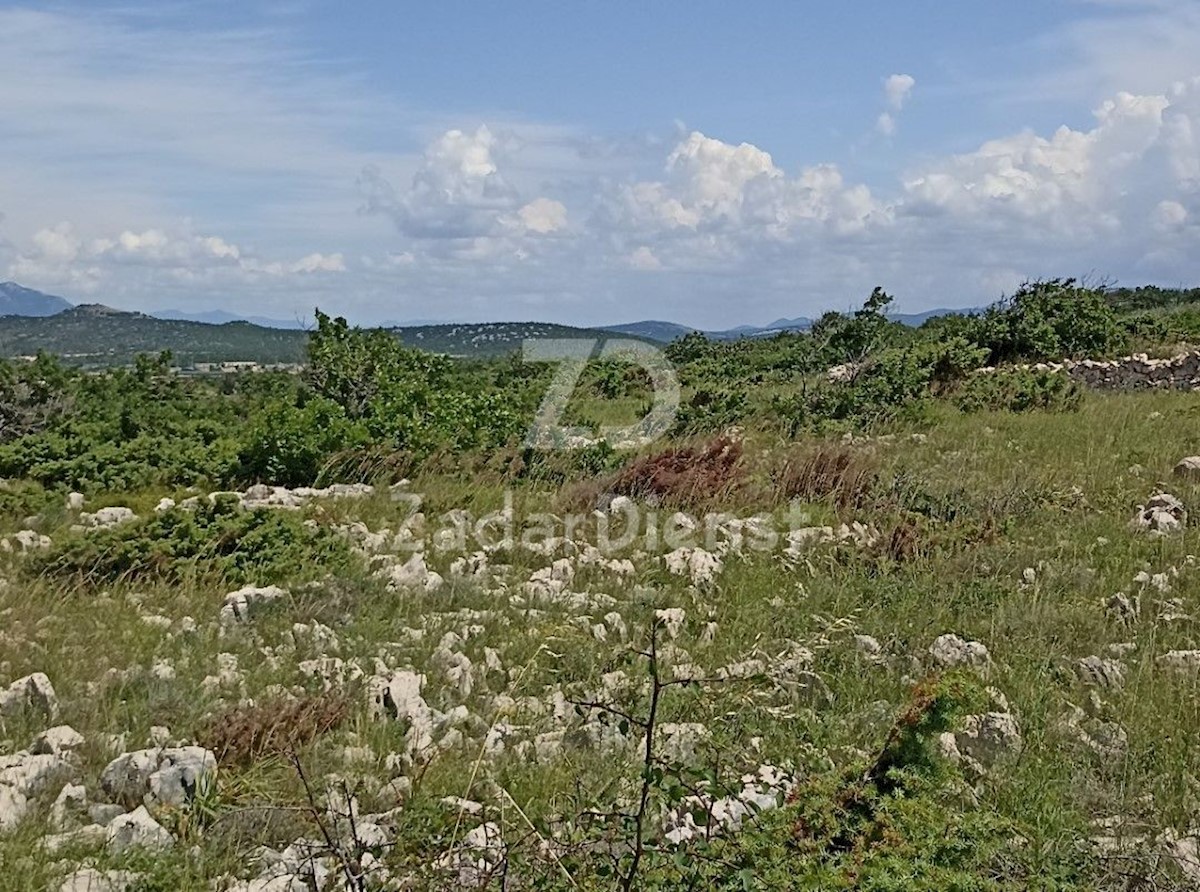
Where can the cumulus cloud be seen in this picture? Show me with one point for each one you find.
(457, 192)
(642, 258)
(1076, 181)
(1169, 216)
(511, 218)
(715, 186)
(320, 263)
(897, 88)
(59, 255)
(543, 216)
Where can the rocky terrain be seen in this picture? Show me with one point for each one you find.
(490, 694)
(864, 617)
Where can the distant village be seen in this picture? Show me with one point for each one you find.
(231, 366)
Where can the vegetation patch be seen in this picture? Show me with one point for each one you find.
(218, 541)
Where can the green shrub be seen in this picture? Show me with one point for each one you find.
(1049, 320)
(1020, 390)
(709, 411)
(219, 541)
(290, 445)
(895, 382)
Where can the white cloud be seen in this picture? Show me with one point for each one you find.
(1074, 180)
(152, 139)
(543, 216)
(457, 192)
(59, 256)
(739, 191)
(897, 88)
(58, 244)
(642, 258)
(1169, 215)
(320, 263)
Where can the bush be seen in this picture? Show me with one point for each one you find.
(32, 396)
(851, 338)
(893, 382)
(220, 541)
(711, 410)
(1020, 390)
(290, 445)
(1049, 320)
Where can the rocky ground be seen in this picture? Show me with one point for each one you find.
(698, 705)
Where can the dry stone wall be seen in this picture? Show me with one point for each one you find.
(1137, 372)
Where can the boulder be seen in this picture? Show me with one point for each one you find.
(107, 517)
(70, 805)
(1162, 515)
(33, 693)
(158, 776)
(949, 651)
(56, 741)
(239, 605)
(989, 737)
(13, 807)
(137, 830)
(1100, 672)
(1189, 469)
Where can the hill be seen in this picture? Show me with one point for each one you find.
(93, 335)
(17, 300)
(220, 317)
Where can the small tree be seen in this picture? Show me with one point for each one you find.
(853, 338)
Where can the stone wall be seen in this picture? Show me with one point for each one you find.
(1137, 372)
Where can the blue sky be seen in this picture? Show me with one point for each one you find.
(705, 162)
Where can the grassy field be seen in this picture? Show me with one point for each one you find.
(524, 764)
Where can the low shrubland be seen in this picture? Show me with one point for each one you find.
(887, 628)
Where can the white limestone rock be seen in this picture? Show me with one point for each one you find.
(949, 651)
(33, 693)
(1161, 516)
(112, 516)
(1189, 469)
(158, 777)
(56, 741)
(137, 830)
(239, 605)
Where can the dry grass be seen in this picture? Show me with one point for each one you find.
(687, 477)
(843, 475)
(243, 735)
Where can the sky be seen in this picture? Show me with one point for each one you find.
(703, 162)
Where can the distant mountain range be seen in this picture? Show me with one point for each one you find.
(96, 335)
(220, 317)
(16, 300)
(665, 332)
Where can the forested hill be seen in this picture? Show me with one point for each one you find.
(94, 335)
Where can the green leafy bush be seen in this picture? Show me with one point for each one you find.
(1049, 320)
(290, 444)
(220, 541)
(1020, 390)
(708, 411)
(894, 382)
